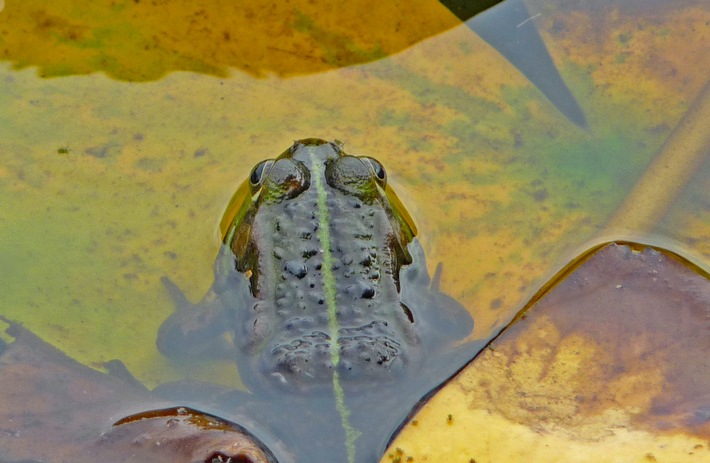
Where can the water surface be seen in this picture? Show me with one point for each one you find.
(122, 141)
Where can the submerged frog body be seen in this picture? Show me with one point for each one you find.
(322, 285)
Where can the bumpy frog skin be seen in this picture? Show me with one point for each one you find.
(323, 290)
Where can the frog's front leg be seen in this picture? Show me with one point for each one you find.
(206, 329)
(195, 330)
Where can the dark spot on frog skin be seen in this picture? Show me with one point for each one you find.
(296, 268)
(367, 257)
(308, 253)
(360, 290)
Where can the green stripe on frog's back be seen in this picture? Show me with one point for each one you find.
(327, 268)
(351, 434)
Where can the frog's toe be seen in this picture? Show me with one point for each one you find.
(175, 293)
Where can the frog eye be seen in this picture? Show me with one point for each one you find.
(257, 173)
(378, 169)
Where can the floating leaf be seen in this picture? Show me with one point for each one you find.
(610, 365)
(139, 41)
(53, 409)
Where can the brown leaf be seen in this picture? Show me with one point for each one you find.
(610, 365)
(53, 409)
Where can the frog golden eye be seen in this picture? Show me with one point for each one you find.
(378, 169)
(258, 172)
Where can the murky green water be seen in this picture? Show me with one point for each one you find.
(120, 148)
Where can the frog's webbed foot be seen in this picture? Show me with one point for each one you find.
(194, 330)
(453, 318)
(440, 314)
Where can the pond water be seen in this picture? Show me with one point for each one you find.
(126, 126)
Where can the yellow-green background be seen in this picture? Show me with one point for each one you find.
(125, 127)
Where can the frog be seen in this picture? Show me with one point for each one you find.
(323, 297)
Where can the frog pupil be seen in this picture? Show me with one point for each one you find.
(257, 173)
(378, 169)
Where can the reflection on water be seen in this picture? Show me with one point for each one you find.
(109, 185)
(511, 29)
